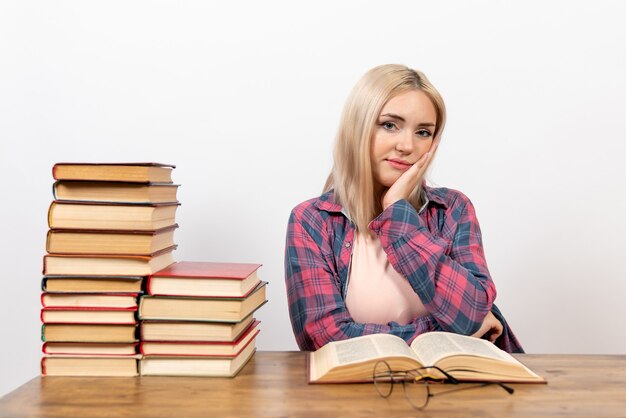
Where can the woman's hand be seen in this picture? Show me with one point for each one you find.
(408, 180)
(491, 327)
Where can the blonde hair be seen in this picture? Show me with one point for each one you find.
(351, 176)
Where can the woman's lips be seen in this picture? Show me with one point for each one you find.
(399, 164)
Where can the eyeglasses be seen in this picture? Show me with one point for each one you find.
(416, 383)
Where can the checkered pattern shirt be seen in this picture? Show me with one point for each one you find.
(439, 250)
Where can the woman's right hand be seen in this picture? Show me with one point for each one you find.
(408, 181)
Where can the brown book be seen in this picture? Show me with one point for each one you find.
(196, 366)
(202, 309)
(88, 333)
(88, 300)
(88, 316)
(200, 348)
(57, 365)
(132, 172)
(107, 265)
(118, 192)
(111, 216)
(193, 331)
(91, 349)
(87, 284)
(73, 241)
(194, 278)
(464, 358)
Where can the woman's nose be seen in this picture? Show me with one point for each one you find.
(404, 142)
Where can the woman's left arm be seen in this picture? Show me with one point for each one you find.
(451, 278)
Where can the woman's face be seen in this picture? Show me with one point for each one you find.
(404, 132)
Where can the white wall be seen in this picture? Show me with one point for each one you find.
(245, 97)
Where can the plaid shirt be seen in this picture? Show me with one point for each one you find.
(439, 250)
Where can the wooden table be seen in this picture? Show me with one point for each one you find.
(274, 384)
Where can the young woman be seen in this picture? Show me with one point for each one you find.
(379, 251)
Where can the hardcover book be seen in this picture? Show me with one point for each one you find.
(89, 333)
(90, 349)
(88, 300)
(131, 172)
(192, 278)
(202, 309)
(87, 284)
(83, 241)
(58, 365)
(465, 358)
(111, 216)
(88, 315)
(193, 331)
(107, 265)
(197, 366)
(200, 348)
(119, 192)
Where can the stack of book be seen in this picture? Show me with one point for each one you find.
(111, 225)
(197, 319)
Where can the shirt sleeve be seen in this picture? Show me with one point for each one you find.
(316, 307)
(449, 275)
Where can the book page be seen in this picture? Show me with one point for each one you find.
(433, 346)
(369, 347)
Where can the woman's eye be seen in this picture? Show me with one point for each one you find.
(388, 125)
(425, 133)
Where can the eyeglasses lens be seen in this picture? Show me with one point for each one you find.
(383, 379)
(416, 390)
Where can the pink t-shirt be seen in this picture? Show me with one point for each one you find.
(377, 293)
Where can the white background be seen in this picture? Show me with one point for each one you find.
(245, 97)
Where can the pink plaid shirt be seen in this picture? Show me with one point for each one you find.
(439, 250)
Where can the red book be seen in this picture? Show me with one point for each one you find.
(204, 279)
(200, 348)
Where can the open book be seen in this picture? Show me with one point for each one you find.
(465, 358)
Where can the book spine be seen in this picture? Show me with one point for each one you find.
(50, 214)
(149, 285)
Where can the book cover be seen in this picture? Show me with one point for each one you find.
(89, 315)
(107, 264)
(90, 349)
(89, 300)
(202, 269)
(109, 241)
(89, 333)
(131, 172)
(111, 215)
(114, 192)
(167, 330)
(218, 309)
(201, 348)
(61, 365)
(196, 366)
(91, 284)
